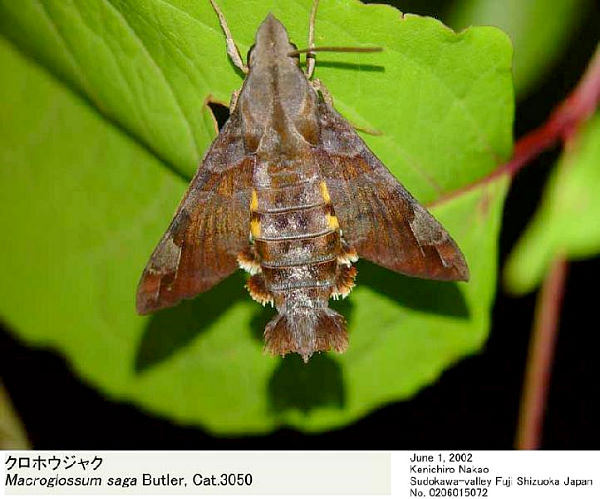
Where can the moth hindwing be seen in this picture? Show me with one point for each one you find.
(290, 192)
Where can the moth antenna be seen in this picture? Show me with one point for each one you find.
(334, 49)
(310, 56)
(232, 50)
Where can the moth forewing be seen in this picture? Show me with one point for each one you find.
(208, 231)
(378, 216)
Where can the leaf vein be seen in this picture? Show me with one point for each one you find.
(427, 69)
(160, 71)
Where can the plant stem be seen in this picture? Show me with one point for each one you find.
(540, 356)
(564, 121)
(561, 125)
(12, 434)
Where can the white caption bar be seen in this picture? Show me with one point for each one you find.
(305, 473)
(497, 474)
(493, 474)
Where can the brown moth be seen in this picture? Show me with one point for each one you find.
(290, 193)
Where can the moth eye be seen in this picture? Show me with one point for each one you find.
(249, 54)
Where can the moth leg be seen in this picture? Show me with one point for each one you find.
(320, 87)
(310, 56)
(232, 50)
(233, 100)
(368, 131)
(257, 288)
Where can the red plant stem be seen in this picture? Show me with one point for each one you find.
(560, 126)
(562, 123)
(540, 356)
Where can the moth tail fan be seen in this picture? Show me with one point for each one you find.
(331, 331)
(306, 331)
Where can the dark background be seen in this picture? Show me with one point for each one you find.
(475, 403)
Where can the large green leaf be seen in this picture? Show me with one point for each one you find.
(539, 29)
(92, 166)
(567, 221)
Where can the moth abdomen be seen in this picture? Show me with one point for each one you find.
(317, 274)
(294, 236)
(299, 250)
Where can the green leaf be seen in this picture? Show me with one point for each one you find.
(105, 101)
(566, 222)
(539, 29)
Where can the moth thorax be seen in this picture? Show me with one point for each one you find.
(305, 119)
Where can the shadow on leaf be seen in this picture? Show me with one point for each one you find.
(260, 319)
(435, 297)
(296, 385)
(174, 328)
(351, 66)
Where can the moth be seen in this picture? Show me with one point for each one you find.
(290, 193)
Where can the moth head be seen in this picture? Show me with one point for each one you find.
(293, 55)
(272, 43)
